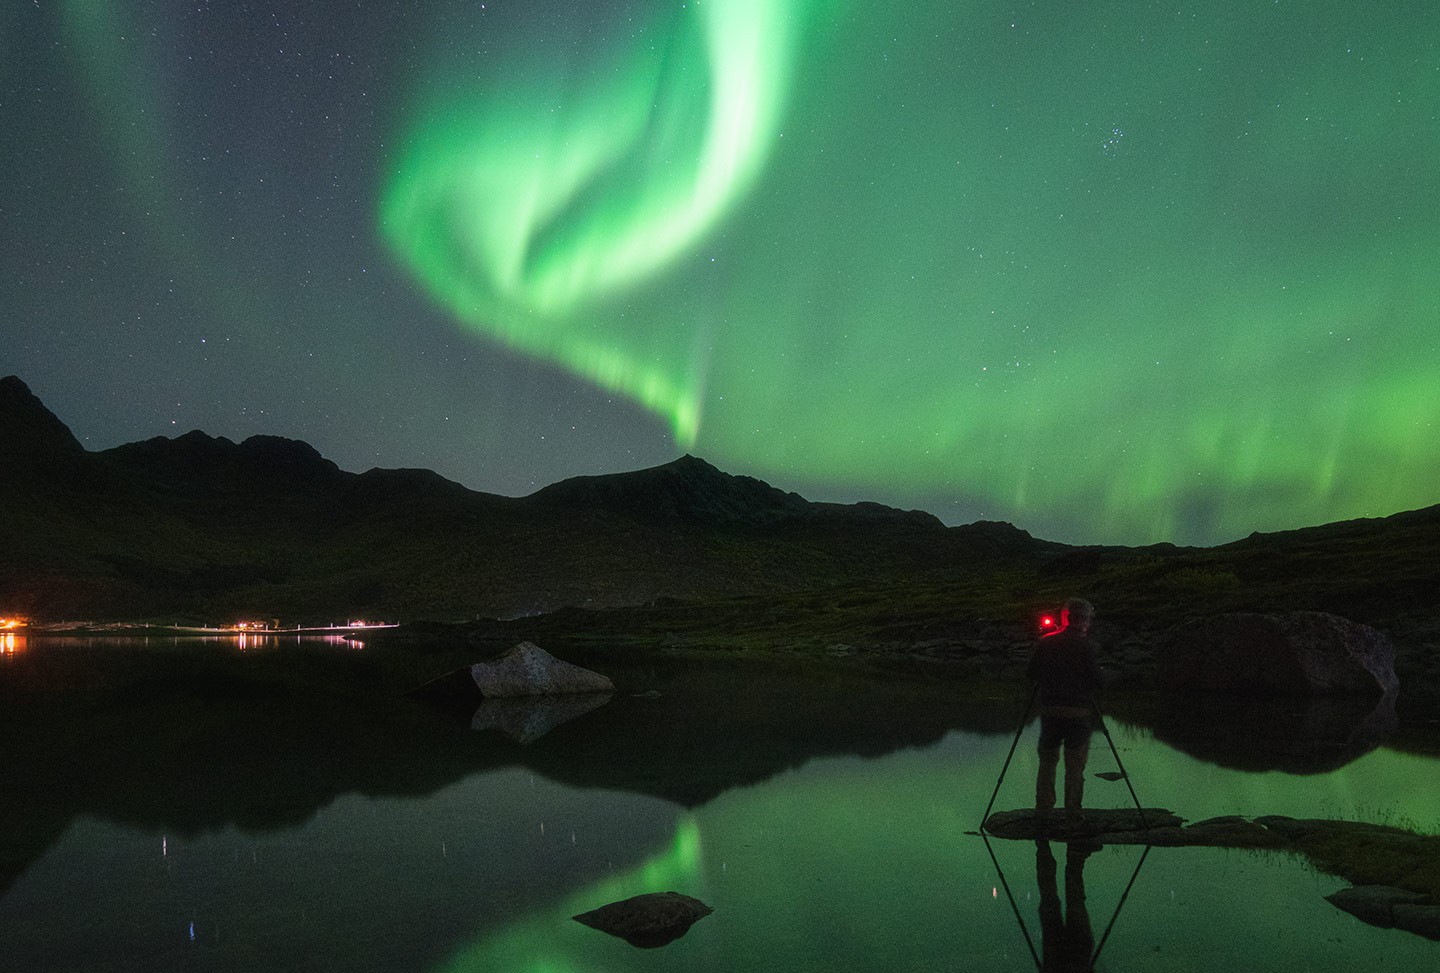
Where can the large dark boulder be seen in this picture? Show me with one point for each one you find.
(528, 670)
(1288, 653)
(525, 669)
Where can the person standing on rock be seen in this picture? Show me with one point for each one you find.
(1066, 672)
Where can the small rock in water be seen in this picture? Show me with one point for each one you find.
(649, 920)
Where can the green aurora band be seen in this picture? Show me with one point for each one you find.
(521, 214)
(1115, 273)
(1165, 275)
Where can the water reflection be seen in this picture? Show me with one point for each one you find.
(865, 865)
(527, 719)
(825, 824)
(244, 641)
(1067, 939)
(1299, 735)
(11, 645)
(1067, 935)
(252, 641)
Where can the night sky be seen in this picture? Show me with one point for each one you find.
(1115, 271)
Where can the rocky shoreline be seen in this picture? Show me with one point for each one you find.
(1395, 873)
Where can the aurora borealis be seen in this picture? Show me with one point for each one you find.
(1115, 272)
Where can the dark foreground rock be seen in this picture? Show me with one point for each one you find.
(1293, 653)
(649, 920)
(1396, 872)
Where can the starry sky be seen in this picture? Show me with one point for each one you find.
(1115, 271)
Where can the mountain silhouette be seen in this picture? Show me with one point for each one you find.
(204, 527)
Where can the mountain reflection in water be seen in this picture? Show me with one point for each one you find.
(822, 816)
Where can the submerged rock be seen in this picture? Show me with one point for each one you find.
(1420, 918)
(1374, 904)
(649, 920)
(1390, 908)
(1294, 653)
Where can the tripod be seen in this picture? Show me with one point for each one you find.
(1025, 718)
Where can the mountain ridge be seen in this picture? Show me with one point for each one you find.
(201, 524)
(201, 527)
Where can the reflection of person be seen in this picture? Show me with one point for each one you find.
(1066, 671)
(1067, 942)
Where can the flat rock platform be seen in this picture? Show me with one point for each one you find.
(1395, 873)
(1127, 826)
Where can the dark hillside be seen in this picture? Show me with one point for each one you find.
(202, 527)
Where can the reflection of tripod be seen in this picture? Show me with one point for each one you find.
(1072, 944)
(1025, 718)
(1077, 947)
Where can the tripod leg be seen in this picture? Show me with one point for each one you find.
(1024, 718)
(1024, 930)
(1119, 763)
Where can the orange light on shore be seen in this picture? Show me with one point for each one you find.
(8, 623)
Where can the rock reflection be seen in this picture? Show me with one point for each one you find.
(1312, 735)
(527, 719)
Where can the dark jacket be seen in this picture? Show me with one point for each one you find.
(1066, 667)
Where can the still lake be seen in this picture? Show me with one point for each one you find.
(826, 818)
